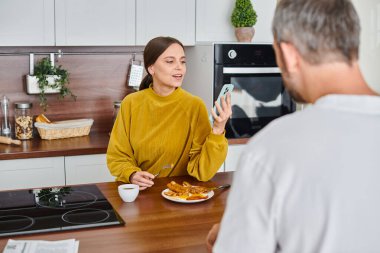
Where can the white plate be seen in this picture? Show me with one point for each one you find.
(210, 194)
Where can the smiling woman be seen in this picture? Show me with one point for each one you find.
(163, 124)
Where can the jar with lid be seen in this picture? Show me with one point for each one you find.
(23, 121)
(116, 108)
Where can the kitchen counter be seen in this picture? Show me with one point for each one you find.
(153, 224)
(95, 143)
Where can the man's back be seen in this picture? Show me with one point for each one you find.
(313, 178)
(309, 181)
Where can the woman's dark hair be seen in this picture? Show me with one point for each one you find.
(152, 51)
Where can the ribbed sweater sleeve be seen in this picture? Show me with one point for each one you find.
(120, 159)
(208, 151)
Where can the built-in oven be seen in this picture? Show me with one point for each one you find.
(259, 95)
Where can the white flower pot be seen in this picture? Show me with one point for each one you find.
(32, 85)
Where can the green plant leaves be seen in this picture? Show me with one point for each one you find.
(243, 14)
(43, 71)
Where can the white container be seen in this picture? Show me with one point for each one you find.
(128, 192)
(32, 85)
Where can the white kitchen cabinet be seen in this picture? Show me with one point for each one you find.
(85, 169)
(95, 22)
(213, 20)
(221, 169)
(53, 171)
(25, 22)
(32, 173)
(175, 18)
(233, 156)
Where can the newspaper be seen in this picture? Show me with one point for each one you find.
(39, 246)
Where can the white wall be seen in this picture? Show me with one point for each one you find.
(265, 11)
(369, 13)
(213, 20)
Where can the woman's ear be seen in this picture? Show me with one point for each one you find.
(151, 70)
(290, 56)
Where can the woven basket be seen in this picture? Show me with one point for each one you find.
(64, 129)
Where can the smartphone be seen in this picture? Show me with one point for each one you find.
(223, 92)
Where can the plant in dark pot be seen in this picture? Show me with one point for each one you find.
(51, 79)
(243, 18)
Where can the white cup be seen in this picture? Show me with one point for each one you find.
(128, 192)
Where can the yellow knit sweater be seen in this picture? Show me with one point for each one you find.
(151, 131)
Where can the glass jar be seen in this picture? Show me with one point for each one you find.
(116, 108)
(23, 121)
(5, 125)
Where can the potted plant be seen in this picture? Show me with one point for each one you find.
(243, 18)
(48, 79)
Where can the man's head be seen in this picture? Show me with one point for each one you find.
(323, 30)
(320, 31)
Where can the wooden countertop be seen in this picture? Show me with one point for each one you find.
(95, 143)
(153, 224)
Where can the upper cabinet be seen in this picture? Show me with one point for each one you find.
(124, 22)
(27, 23)
(214, 20)
(175, 18)
(95, 22)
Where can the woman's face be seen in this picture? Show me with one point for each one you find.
(169, 69)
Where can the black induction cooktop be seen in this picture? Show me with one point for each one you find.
(55, 209)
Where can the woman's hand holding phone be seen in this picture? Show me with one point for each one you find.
(224, 113)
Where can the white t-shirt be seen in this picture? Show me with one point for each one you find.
(309, 182)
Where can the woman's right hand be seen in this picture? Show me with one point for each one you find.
(143, 179)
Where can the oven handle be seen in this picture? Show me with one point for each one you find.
(231, 70)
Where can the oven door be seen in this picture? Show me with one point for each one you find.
(258, 97)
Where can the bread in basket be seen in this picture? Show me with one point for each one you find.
(63, 129)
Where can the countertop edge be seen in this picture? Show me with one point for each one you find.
(95, 143)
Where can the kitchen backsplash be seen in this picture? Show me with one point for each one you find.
(98, 76)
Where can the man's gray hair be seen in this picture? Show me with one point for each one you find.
(321, 30)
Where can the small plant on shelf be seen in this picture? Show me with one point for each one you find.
(51, 77)
(243, 18)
